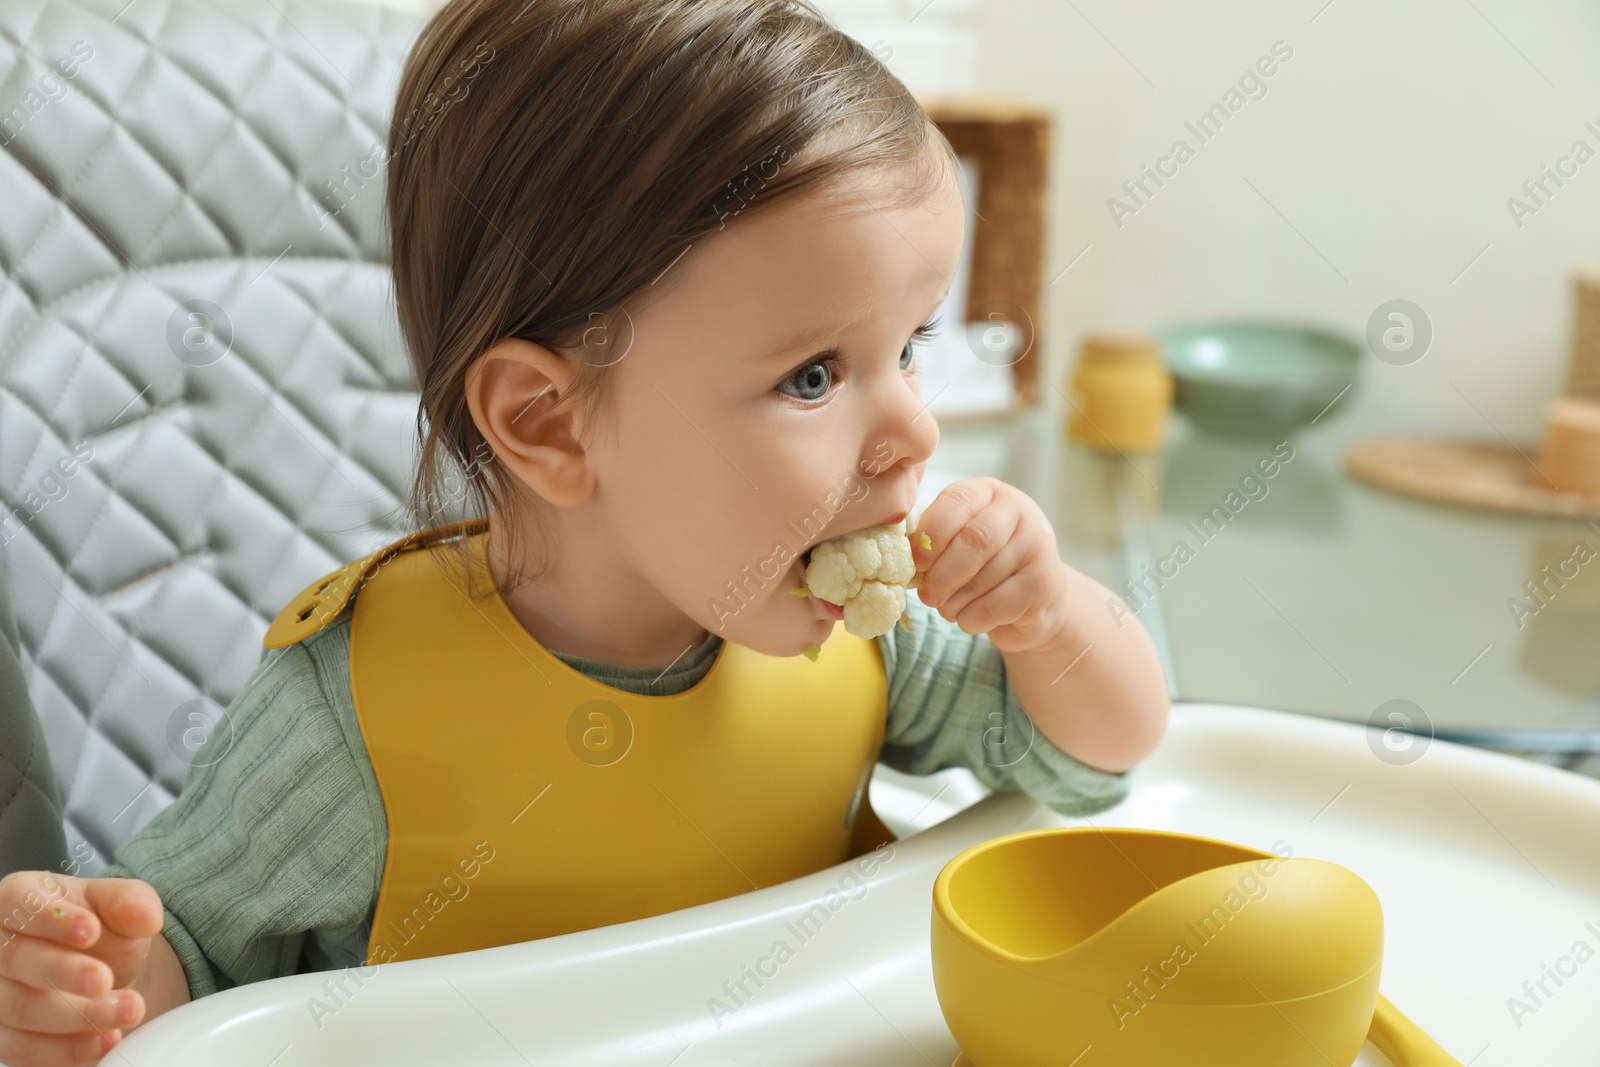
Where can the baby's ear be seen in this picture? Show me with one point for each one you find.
(517, 392)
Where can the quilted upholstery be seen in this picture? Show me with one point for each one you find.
(30, 814)
(170, 481)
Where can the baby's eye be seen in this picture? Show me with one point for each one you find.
(921, 334)
(812, 380)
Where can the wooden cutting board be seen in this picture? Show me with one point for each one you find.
(1475, 474)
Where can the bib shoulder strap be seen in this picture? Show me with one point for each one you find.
(321, 602)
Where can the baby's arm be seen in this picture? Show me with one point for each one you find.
(1098, 690)
(951, 704)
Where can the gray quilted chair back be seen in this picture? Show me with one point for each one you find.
(205, 402)
(30, 816)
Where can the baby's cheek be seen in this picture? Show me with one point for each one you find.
(710, 568)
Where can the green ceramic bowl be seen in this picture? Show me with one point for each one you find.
(1259, 377)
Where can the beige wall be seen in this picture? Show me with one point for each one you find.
(1391, 140)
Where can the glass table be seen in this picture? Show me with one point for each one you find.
(1311, 592)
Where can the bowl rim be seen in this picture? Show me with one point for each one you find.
(945, 911)
(1346, 350)
(1259, 322)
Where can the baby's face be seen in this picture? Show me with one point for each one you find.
(732, 440)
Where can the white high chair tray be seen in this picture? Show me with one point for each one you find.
(1487, 868)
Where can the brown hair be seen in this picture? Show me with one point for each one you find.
(598, 141)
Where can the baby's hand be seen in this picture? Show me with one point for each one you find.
(68, 948)
(993, 566)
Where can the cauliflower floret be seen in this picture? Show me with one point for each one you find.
(840, 566)
(875, 609)
(867, 573)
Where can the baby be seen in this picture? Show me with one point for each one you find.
(661, 266)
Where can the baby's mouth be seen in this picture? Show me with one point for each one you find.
(805, 556)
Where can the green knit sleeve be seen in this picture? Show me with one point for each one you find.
(952, 705)
(276, 839)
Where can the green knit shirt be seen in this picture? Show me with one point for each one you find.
(269, 861)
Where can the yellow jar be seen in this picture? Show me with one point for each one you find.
(1120, 393)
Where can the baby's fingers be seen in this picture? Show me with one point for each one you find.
(54, 1010)
(110, 919)
(35, 962)
(44, 905)
(27, 1011)
(127, 907)
(959, 558)
(1003, 566)
(25, 1049)
(952, 509)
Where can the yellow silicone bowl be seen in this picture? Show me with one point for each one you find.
(1151, 947)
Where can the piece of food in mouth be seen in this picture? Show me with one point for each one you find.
(866, 574)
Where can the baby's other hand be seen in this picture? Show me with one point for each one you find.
(69, 948)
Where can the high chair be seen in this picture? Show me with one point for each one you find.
(205, 404)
